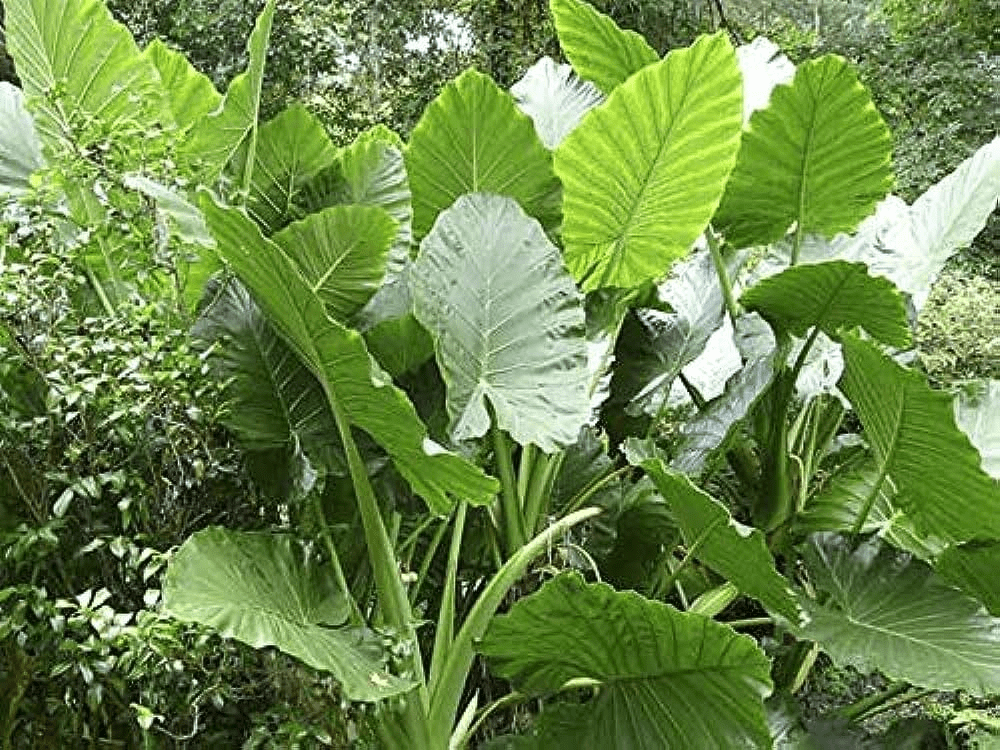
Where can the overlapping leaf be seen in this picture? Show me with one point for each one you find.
(655, 346)
(734, 551)
(337, 357)
(644, 172)
(555, 99)
(887, 611)
(190, 94)
(818, 157)
(763, 67)
(81, 69)
(912, 432)
(508, 323)
(226, 135)
(831, 296)
(341, 253)
(264, 590)
(291, 149)
(471, 139)
(598, 50)
(705, 433)
(668, 678)
(20, 149)
(977, 412)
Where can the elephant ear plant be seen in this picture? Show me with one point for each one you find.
(632, 337)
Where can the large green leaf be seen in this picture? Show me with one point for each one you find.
(20, 149)
(598, 50)
(374, 174)
(973, 568)
(555, 99)
(341, 253)
(831, 296)
(887, 611)
(977, 412)
(817, 157)
(473, 139)
(644, 172)
(274, 398)
(291, 149)
(507, 321)
(337, 357)
(80, 69)
(191, 94)
(912, 432)
(229, 134)
(369, 172)
(914, 248)
(668, 678)
(265, 590)
(734, 551)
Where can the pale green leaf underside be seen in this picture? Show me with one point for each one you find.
(263, 590)
(890, 612)
(734, 551)
(763, 66)
(191, 94)
(977, 412)
(831, 296)
(76, 48)
(655, 346)
(911, 430)
(913, 249)
(596, 47)
(20, 149)
(644, 172)
(818, 157)
(707, 431)
(508, 323)
(338, 358)
(218, 139)
(555, 99)
(470, 139)
(292, 148)
(340, 253)
(668, 678)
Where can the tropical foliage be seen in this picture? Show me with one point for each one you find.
(549, 401)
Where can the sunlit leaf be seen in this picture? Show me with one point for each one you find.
(818, 157)
(473, 139)
(597, 48)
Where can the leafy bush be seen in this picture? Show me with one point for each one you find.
(560, 395)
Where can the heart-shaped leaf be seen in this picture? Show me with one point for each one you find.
(644, 172)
